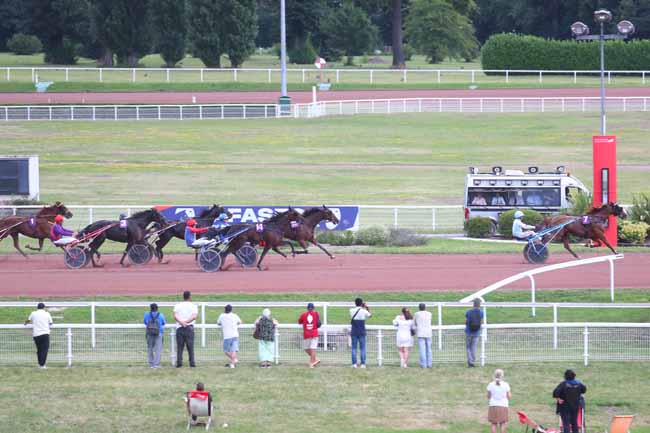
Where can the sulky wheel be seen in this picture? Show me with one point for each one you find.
(536, 254)
(75, 257)
(139, 254)
(247, 256)
(209, 260)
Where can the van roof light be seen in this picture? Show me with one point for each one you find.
(533, 169)
(473, 170)
(497, 169)
(560, 169)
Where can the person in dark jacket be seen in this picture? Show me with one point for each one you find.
(567, 395)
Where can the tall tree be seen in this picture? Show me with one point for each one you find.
(100, 11)
(239, 30)
(204, 22)
(59, 25)
(348, 29)
(129, 29)
(14, 18)
(169, 23)
(637, 11)
(398, 38)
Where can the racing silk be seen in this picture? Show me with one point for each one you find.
(57, 232)
(219, 224)
(191, 232)
(518, 227)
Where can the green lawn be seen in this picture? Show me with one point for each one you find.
(287, 399)
(415, 159)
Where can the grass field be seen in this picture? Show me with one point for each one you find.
(446, 399)
(417, 159)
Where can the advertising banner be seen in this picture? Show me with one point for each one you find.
(348, 215)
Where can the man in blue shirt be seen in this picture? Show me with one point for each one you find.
(154, 323)
(473, 321)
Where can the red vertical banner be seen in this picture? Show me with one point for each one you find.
(604, 190)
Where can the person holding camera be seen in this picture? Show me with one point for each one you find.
(359, 313)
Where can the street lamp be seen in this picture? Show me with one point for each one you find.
(581, 32)
(285, 101)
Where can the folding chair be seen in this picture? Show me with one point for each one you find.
(535, 428)
(621, 424)
(198, 404)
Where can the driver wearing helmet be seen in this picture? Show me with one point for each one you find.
(521, 230)
(191, 231)
(219, 226)
(60, 236)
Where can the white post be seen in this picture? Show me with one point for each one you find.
(395, 217)
(201, 112)
(404, 76)
(624, 104)
(244, 111)
(532, 294)
(90, 215)
(133, 75)
(642, 76)
(473, 76)
(94, 113)
(481, 105)
(380, 357)
(325, 330)
(419, 105)
(303, 75)
(554, 326)
(33, 75)
(611, 279)
(438, 76)
(115, 109)
(69, 347)
(340, 108)
(172, 346)
(540, 76)
(167, 74)
(484, 330)
(337, 76)
(276, 343)
(575, 77)
(9, 75)
(371, 76)
(269, 75)
(439, 325)
(483, 339)
(562, 104)
(433, 219)
(543, 100)
(507, 76)
(609, 77)
(201, 74)
(234, 74)
(137, 113)
(67, 70)
(313, 94)
(501, 105)
(586, 345)
(101, 77)
(202, 324)
(159, 112)
(29, 113)
(522, 105)
(93, 339)
(71, 113)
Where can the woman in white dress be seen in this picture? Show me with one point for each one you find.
(404, 324)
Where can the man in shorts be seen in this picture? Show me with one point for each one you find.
(310, 321)
(229, 323)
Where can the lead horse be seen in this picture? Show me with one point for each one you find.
(36, 227)
(588, 226)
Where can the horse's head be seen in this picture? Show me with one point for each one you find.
(329, 215)
(214, 211)
(617, 210)
(57, 208)
(148, 216)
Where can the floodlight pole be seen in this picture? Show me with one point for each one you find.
(283, 49)
(602, 80)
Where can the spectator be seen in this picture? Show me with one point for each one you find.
(473, 320)
(498, 200)
(423, 332)
(479, 200)
(200, 388)
(498, 394)
(359, 314)
(229, 322)
(310, 321)
(41, 324)
(266, 346)
(185, 314)
(567, 395)
(154, 323)
(405, 331)
(534, 198)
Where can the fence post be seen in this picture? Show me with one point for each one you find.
(433, 219)
(404, 76)
(137, 113)
(609, 77)
(201, 74)
(133, 75)
(473, 75)
(101, 77)
(380, 357)
(642, 76)
(325, 330)
(9, 75)
(276, 343)
(356, 107)
(507, 76)
(67, 70)
(303, 75)
(371, 76)
(234, 74)
(575, 77)
(419, 105)
(202, 324)
(586, 344)
(33, 75)
(483, 339)
(395, 211)
(484, 330)
(543, 100)
(94, 113)
(540, 76)
(438, 76)
(337, 76)
(532, 294)
(611, 279)
(172, 346)
(554, 326)
(167, 74)
(439, 325)
(90, 215)
(69, 347)
(201, 112)
(49, 113)
(115, 109)
(29, 113)
(93, 336)
(269, 75)
(159, 112)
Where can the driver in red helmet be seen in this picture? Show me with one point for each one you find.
(191, 231)
(59, 235)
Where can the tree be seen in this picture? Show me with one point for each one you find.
(398, 38)
(128, 29)
(170, 28)
(14, 18)
(100, 11)
(239, 30)
(437, 29)
(637, 11)
(348, 29)
(203, 25)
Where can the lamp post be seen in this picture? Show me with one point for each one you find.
(581, 32)
(285, 101)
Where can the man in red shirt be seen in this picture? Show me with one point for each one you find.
(310, 321)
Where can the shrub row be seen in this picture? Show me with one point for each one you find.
(511, 51)
(631, 232)
(23, 44)
(372, 236)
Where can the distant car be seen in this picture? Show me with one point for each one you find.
(491, 194)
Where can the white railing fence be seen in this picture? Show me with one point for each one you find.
(543, 342)
(424, 219)
(308, 75)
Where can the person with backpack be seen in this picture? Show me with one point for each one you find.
(358, 315)
(473, 321)
(154, 323)
(567, 395)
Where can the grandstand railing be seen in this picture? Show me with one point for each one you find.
(309, 75)
(423, 219)
(507, 343)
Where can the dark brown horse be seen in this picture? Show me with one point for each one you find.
(303, 231)
(270, 235)
(588, 226)
(37, 226)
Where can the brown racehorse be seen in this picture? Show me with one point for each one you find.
(588, 226)
(303, 232)
(37, 227)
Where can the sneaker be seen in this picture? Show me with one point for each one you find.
(232, 365)
(227, 365)
(363, 365)
(354, 365)
(43, 367)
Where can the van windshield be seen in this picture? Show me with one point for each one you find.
(506, 197)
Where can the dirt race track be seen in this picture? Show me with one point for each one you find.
(47, 276)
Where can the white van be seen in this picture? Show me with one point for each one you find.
(490, 194)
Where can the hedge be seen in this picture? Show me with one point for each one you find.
(511, 51)
(531, 217)
(634, 233)
(479, 227)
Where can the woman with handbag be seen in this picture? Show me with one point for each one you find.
(405, 332)
(265, 333)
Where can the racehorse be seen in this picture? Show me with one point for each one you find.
(177, 228)
(303, 231)
(37, 226)
(270, 235)
(134, 232)
(588, 226)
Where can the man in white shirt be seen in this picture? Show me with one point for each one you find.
(185, 314)
(422, 322)
(358, 316)
(229, 322)
(41, 323)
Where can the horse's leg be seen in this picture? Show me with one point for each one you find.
(126, 251)
(259, 262)
(567, 246)
(322, 248)
(93, 249)
(160, 244)
(599, 236)
(14, 235)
